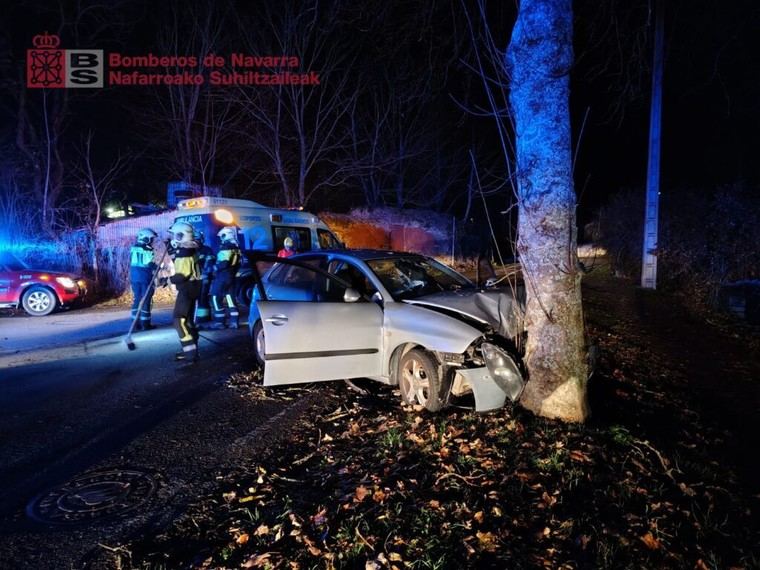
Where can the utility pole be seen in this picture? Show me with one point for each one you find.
(649, 252)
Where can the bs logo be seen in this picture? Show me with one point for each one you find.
(48, 66)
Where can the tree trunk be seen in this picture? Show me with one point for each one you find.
(539, 59)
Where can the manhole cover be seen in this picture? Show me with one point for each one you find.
(93, 496)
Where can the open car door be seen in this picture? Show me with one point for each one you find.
(335, 335)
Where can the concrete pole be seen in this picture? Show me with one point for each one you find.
(649, 252)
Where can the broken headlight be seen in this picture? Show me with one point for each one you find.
(503, 370)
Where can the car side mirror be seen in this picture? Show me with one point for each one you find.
(351, 295)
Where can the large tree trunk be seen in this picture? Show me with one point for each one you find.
(539, 59)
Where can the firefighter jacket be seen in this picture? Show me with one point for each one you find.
(227, 261)
(141, 263)
(187, 269)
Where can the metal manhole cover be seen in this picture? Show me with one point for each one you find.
(93, 496)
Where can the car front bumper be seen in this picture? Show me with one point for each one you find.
(488, 394)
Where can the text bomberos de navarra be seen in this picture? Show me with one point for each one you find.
(213, 69)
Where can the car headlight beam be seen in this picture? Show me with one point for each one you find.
(503, 370)
(67, 282)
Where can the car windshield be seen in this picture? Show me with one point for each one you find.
(413, 277)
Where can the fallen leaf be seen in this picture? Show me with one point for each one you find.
(261, 530)
(478, 516)
(378, 496)
(487, 541)
(242, 539)
(548, 499)
(361, 493)
(579, 456)
(650, 541)
(257, 561)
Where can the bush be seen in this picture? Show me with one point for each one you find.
(707, 239)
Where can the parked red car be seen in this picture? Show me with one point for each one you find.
(37, 291)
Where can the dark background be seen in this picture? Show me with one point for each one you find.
(710, 112)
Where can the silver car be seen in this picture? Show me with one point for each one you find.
(402, 319)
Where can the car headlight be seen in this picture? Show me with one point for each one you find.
(503, 370)
(67, 282)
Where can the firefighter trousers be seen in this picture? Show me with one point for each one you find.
(223, 302)
(139, 288)
(187, 294)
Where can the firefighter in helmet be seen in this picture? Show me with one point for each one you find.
(187, 279)
(223, 287)
(142, 266)
(288, 248)
(206, 259)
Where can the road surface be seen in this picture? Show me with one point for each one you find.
(92, 406)
(21, 333)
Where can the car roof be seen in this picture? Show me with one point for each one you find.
(363, 254)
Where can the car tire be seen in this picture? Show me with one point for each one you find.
(39, 301)
(419, 380)
(244, 291)
(259, 346)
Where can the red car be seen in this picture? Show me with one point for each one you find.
(38, 292)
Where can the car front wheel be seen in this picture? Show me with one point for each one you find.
(39, 301)
(420, 381)
(259, 346)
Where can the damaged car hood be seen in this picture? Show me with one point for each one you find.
(502, 309)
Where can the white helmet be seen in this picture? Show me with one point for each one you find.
(288, 242)
(228, 234)
(146, 235)
(182, 233)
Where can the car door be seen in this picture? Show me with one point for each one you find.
(325, 338)
(6, 282)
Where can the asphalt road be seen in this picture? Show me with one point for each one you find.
(21, 333)
(93, 407)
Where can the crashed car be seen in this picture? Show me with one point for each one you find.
(399, 318)
(38, 291)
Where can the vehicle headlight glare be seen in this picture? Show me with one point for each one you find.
(503, 369)
(224, 216)
(67, 282)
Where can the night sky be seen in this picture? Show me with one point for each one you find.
(711, 113)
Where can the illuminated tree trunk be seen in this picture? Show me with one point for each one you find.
(539, 59)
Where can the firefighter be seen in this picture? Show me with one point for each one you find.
(206, 258)
(142, 266)
(223, 287)
(187, 279)
(288, 248)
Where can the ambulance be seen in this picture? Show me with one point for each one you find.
(260, 228)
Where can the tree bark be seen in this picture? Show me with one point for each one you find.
(539, 59)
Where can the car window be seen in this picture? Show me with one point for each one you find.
(290, 282)
(351, 274)
(327, 240)
(301, 237)
(281, 271)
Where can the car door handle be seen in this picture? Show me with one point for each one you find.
(277, 320)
